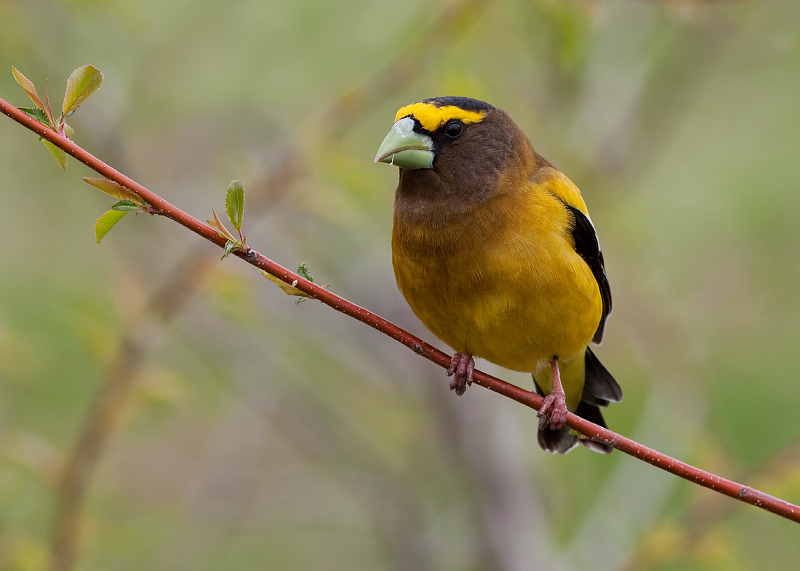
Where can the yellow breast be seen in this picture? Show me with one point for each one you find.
(502, 282)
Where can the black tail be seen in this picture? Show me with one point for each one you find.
(599, 389)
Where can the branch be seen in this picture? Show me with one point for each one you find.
(162, 207)
(705, 513)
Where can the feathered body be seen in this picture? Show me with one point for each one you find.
(486, 250)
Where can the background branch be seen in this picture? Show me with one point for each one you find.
(120, 375)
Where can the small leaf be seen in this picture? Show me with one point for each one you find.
(81, 84)
(220, 228)
(68, 131)
(114, 189)
(37, 114)
(579, 435)
(234, 204)
(286, 288)
(302, 270)
(231, 247)
(60, 156)
(125, 206)
(28, 86)
(106, 222)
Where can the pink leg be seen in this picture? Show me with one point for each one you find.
(553, 413)
(463, 367)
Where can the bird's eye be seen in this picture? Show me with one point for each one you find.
(454, 129)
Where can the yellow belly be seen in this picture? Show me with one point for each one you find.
(515, 293)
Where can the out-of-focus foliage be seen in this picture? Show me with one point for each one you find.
(263, 435)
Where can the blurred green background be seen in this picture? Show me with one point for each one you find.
(223, 427)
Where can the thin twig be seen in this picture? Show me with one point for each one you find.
(532, 400)
(706, 512)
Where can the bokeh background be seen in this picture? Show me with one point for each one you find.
(161, 410)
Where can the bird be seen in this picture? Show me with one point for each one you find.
(495, 253)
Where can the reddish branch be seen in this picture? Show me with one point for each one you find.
(162, 207)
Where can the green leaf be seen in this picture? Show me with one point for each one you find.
(114, 189)
(29, 88)
(81, 84)
(125, 206)
(234, 204)
(285, 288)
(60, 156)
(37, 114)
(106, 222)
(68, 131)
(302, 270)
(231, 247)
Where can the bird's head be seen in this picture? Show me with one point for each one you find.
(422, 130)
(463, 143)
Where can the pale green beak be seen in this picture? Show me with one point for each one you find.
(406, 148)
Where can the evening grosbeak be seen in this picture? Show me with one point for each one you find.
(494, 250)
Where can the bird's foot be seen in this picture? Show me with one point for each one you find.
(553, 412)
(461, 369)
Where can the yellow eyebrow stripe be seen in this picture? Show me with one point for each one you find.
(432, 117)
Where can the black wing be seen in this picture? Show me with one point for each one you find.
(588, 248)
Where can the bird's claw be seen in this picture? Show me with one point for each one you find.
(462, 368)
(553, 412)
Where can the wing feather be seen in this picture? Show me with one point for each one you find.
(588, 247)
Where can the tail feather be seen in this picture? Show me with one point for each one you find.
(599, 389)
(593, 414)
(560, 441)
(599, 383)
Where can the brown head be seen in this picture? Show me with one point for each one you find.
(456, 150)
